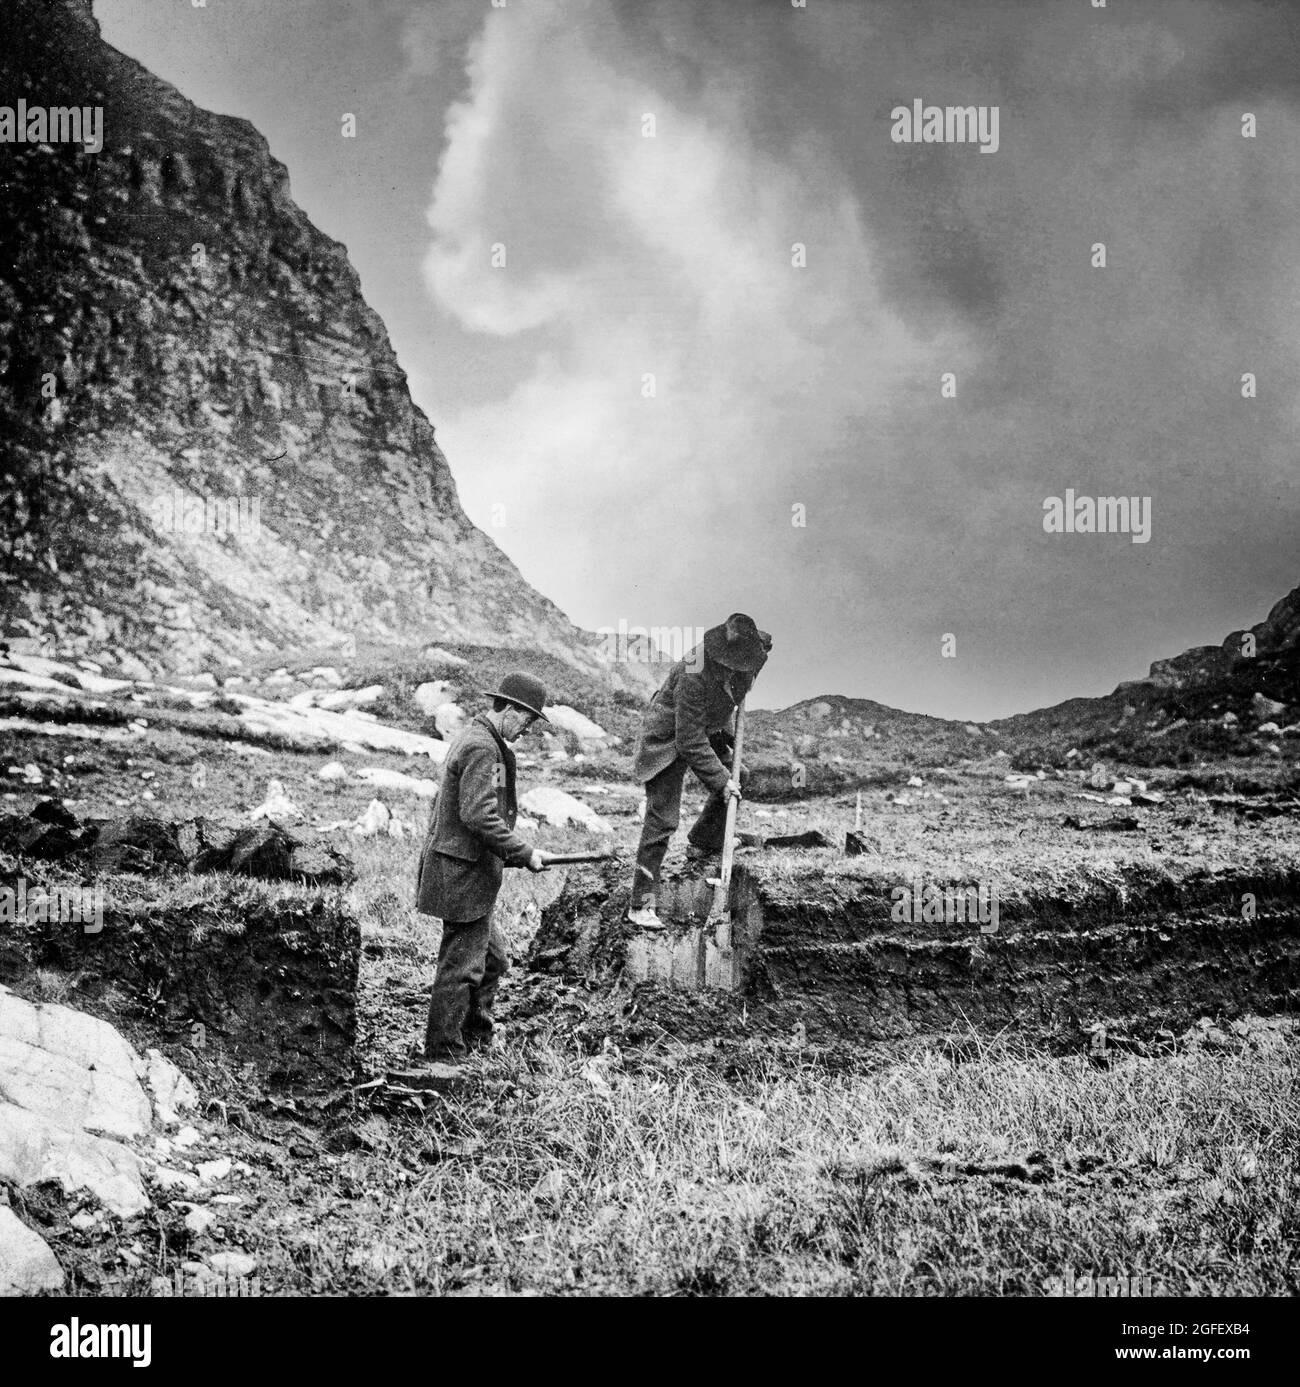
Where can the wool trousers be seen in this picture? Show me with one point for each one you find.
(472, 960)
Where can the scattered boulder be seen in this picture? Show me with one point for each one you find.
(233, 1265)
(277, 806)
(436, 655)
(559, 808)
(431, 696)
(383, 778)
(375, 820)
(198, 1220)
(332, 770)
(26, 1263)
(351, 698)
(588, 733)
(1267, 707)
(448, 718)
(352, 730)
(168, 1179)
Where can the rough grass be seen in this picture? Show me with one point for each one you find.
(572, 1174)
(654, 1173)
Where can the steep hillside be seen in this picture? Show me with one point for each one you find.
(209, 449)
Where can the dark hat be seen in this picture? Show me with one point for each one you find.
(525, 692)
(738, 644)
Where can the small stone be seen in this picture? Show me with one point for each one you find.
(234, 1264)
(186, 1137)
(199, 1220)
(214, 1170)
(167, 1179)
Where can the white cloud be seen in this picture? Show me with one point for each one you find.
(631, 256)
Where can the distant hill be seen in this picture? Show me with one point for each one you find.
(1209, 701)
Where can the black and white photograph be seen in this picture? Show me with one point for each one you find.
(650, 649)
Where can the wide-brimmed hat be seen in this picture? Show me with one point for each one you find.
(738, 644)
(524, 691)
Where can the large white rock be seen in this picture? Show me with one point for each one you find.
(570, 720)
(74, 1067)
(26, 1263)
(93, 1099)
(558, 807)
(429, 697)
(395, 780)
(34, 1148)
(89, 680)
(347, 730)
(70, 1092)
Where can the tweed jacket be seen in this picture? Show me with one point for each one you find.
(698, 699)
(471, 832)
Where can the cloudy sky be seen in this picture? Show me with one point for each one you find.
(784, 391)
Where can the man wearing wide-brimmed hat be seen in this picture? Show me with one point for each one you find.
(690, 726)
(471, 839)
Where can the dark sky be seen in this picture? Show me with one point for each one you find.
(819, 387)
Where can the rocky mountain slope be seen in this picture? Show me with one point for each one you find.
(1238, 698)
(209, 450)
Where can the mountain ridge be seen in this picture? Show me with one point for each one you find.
(175, 329)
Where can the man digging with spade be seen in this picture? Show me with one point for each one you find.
(689, 725)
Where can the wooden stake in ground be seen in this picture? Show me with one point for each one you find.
(722, 887)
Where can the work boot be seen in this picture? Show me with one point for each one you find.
(645, 917)
(702, 862)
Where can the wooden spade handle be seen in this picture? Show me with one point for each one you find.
(723, 891)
